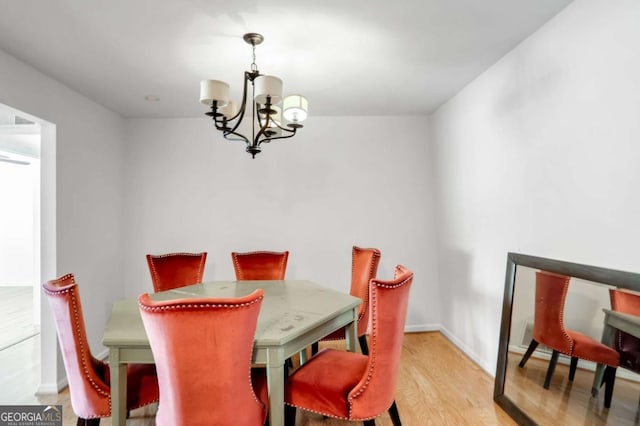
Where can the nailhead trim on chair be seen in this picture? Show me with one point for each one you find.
(198, 305)
(374, 334)
(154, 271)
(236, 265)
(211, 306)
(71, 289)
(566, 335)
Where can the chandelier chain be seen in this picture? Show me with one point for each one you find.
(254, 67)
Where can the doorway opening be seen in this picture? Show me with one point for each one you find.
(27, 187)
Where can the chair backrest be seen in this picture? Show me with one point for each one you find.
(173, 270)
(376, 390)
(625, 301)
(260, 265)
(548, 325)
(210, 385)
(364, 267)
(90, 395)
(628, 345)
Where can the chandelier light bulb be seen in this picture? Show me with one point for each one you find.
(295, 108)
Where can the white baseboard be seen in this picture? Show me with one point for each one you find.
(422, 328)
(52, 388)
(490, 369)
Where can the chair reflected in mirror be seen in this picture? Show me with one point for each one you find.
(549, 330)
(627, 345)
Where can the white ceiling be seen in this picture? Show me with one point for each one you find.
(349, 57)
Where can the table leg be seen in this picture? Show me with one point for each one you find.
(118, 388)
(351, 332)
(303, 356)
(275, 383)
(608, 334)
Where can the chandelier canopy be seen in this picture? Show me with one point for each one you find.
(272, 116)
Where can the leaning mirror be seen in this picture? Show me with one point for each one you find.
(585, 311)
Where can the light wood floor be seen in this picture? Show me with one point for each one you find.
(16, 315)
(569, 403)
(438, 385)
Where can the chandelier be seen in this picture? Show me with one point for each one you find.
(268, 108)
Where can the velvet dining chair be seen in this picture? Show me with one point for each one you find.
(549, 330)
(89, 378)
(352, 386)
(627, 345)
(173, 270)
(213, 385)
(364, 267)
(260, 265)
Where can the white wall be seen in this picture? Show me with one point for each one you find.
(341, 181)
(539, 155)
(88, 174)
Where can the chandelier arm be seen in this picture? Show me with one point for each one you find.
(269, 139)
(243, 106)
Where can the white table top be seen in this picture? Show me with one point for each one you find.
(294, 306)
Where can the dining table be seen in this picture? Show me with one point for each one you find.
(294, 314)
(613, 321)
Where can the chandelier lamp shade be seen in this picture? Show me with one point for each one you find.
(272, 117)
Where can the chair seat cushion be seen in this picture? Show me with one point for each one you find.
(308, 387)
(586, 347)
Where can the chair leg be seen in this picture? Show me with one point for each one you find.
(314, 348)
(609, 380)
(289, 415)
(551, 369)
(394, 414)
(363, 344)
(532, 347)
(572, 368)
(88, 422)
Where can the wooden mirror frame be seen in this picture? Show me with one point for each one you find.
(612, 277)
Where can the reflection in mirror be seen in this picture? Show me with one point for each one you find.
(520, 390)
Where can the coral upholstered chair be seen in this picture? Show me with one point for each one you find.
(88, 377)
(364, 267)
(173, 270)
(213, 385)
(260, 265)
(549, 330)
(351, 386)
(627, 345)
